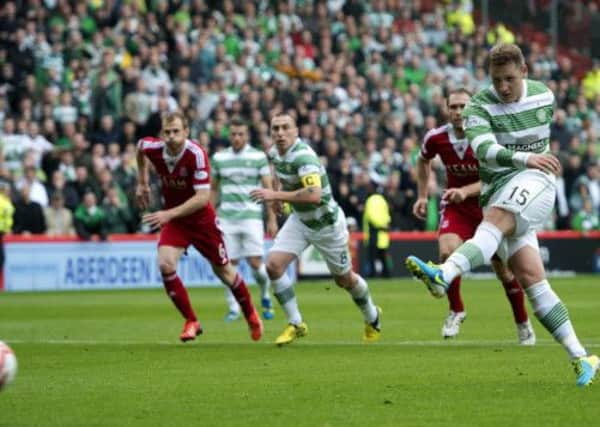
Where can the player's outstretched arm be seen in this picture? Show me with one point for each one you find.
(484, 143)
(460, 194)
(191, 205)
(142, 191)
(304, 195)
(423, 172)
(272, 228)
(309, 193)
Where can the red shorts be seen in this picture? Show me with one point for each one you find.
(458, 220)
(207, 238)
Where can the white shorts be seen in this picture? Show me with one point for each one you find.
(331, 242)
(510, 245)
(243, 238)
(530, 196)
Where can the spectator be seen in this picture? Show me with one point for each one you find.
(65, 112)
(154, 75)
(90, 219)
(59, 219)
(67, 165)
(39, 144)
(37, 190)
(106, 85)
(108, 131)
(58, 184)
(112, 159)
(137, 104)
(118, 214)
(14, 146)
(29, 216)
(586, 219)
(82, 183)
(356, 72)
(587, 187)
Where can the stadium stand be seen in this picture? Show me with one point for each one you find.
(80, 82)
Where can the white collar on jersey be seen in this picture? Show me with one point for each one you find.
(452, 136)
(244, 149)
(289, 150)
(171, 161)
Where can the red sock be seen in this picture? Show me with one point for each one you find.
(456, 302)
(516, 297)
(242, 296)
(176, 291)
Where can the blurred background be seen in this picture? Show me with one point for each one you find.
(81, 81)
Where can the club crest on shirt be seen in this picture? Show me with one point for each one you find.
(200, 175)
(183, 172)
(541, 115)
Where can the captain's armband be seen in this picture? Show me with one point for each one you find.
(311, 180)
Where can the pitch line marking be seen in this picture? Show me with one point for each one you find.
(434, 343)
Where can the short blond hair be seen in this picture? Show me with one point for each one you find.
(506, 53)
(172, 116)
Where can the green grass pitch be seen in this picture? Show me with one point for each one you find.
(112, 358)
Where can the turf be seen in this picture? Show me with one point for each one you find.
(111, 358)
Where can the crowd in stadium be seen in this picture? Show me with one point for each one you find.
(81, 82)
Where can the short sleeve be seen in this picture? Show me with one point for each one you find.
(215, 169)
(201, 177)
(149, 143)
(308, 164)
(428, 148)
(263, 166)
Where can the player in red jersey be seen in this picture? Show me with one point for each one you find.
(187, 219)
(461, 213)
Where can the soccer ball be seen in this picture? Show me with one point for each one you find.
(8, 365)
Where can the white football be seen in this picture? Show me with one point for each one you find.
(8, 365)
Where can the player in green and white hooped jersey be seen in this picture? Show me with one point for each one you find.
(236, 171)
(316, 219)
(508, 127)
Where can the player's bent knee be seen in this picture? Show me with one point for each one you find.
(254, 262)
(344, 281)
(527, 266)
(274, 269)
(528, 274)
(503, 274)
(166, 266)
(225, 272)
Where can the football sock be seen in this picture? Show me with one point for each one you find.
(231, 301)
(516, 297)
(473, 253)
(362, 298)
(284, 292)
(242, 296)
(178, 294)
(262, 279)
(553, 314)
(454, 298)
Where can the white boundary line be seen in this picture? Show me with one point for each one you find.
(200, 342)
